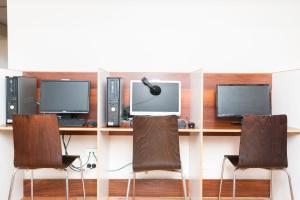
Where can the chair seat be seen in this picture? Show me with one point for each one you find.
(234, 159)
(68, 160)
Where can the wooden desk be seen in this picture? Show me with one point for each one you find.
(208, 130)
(233, 130)
(93, 130)
(63, 130)
(128, 131)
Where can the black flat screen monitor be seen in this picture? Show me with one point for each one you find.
(142, 102)
(236, 100)
(64, 96)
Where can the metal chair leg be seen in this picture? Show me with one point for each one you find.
(82, 178)
(234, 185)
(183, 184)
(12, 183)
(221, 181)
(67, 184)
(133, 186)
(290, 184)
(31, 184)
(271, 184)
(128, 187)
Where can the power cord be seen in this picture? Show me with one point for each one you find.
(72, 166)
(115, 170)
(77, 169)
(95, 156)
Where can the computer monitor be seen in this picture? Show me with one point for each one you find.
(236, 100)
(64, 96)
(168, 102)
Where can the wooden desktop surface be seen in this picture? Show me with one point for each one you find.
(231, 129)
(64, 130)
(127, 129)
(208, 130)
(93, 130)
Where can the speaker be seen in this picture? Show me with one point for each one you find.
(114, 101)
(20, 96)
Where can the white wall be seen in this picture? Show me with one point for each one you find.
(165, 35)
(3, 47)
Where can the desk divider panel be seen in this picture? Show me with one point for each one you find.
(102, 139)
(286, 100)
(196, 139)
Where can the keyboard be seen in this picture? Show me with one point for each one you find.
(71, 122)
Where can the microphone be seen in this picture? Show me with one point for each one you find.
(154, 89)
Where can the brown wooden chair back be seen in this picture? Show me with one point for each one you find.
(36, 141)
(263, 142)
(155, 143)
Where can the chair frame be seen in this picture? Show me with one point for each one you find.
(31, 182)
(271, 178)
(133, 174)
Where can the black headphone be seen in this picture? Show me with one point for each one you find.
(154, 89)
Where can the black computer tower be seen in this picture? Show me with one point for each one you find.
(114, 101)
(20, 96)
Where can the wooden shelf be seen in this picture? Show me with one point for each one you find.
(227, 129)
(115, 130)
(238, 130)
(5, 128)
(121, 129)
(104, 129)
(72, 129)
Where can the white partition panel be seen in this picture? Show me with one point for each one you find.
(6, 146)
(196, 139)
(102, 139)
(286, 100)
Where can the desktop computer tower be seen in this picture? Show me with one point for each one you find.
(114, 101)
(20, 96)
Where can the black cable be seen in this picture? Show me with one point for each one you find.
(95, 156)
(77, 169)
(73, 167)
(114, 170)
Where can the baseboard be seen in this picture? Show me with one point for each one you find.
(146, 188)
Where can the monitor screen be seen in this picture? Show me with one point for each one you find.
(142, 102)
(64, 96)
(238, 100)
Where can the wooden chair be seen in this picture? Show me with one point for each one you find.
(263, 144)
(155, 147)
(37, 145)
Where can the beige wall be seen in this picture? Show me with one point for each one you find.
(3, 47)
